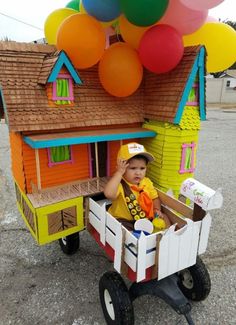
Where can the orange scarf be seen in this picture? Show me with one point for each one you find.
(145, 202)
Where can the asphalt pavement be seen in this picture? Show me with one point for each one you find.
(40, 285)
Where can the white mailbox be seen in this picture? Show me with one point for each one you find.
(201, 194)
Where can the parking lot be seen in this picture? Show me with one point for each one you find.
(41, 285)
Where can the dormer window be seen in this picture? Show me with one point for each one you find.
(62, 91)
(193, 96)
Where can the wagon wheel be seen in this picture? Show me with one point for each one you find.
(195, 282)
(116, 303)
(70, 244)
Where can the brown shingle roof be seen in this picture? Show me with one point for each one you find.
(24, 68)
(163, 92)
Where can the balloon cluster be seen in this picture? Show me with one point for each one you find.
(154, 33)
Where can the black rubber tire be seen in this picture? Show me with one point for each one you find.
(70, 244)
(114, 293)
(195, 282)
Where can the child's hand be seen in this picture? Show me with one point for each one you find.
(165, 218)
(122, 165)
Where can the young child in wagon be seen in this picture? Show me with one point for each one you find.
(132, 194)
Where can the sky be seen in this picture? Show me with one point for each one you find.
(34, 14)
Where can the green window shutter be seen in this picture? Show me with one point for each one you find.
(59, 154)
(62, 90)
(192, 95)
(187, 164)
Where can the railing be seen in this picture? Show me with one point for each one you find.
(68, 191)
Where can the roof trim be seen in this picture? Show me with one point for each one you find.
(82, 137)
(63, 59)
(202, 93)
(199, 63)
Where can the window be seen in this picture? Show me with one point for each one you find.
(228, 83)
(59, 155)
(193, 96)
(187, 158)
(62, 90)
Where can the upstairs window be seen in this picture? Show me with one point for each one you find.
(62, 90)
(193, 96)
(59, 155)
(187, 158)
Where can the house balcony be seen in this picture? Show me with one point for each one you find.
(88, 187)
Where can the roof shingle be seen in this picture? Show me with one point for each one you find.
(25, 67)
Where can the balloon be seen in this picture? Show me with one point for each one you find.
(220, 42)
(201, 4)
(102, 10)
(143, 12)
(185, 20)
(53, 22)
(73, 4)
(104, 24)
(161, 48)
(83, 39)
(130, 33)
(211, 19)
(120, 70)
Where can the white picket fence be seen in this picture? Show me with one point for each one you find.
(175, 249)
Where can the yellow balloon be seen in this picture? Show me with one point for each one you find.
(220, 42)
(130, 33)
(104, 24)
(53, 21)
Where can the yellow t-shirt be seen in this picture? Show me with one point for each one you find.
(119, 207)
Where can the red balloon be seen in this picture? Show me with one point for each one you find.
(161, 48)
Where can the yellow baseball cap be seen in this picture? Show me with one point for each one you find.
(130, 150)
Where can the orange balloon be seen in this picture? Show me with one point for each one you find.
(130, 33)
(120, 70)
(83, 39)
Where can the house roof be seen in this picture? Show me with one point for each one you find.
(166, 94)
(26, 67)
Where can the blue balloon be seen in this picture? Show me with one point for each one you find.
(103, 10)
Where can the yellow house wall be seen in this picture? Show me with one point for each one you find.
(167, 150)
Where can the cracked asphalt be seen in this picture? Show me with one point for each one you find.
(39, 285)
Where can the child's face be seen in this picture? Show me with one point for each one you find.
(135, 171)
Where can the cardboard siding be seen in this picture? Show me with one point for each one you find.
(17, 159)
(57, 174)
(167, 150)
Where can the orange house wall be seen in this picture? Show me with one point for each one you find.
(58, 174)
(24, 164)
(17, 166)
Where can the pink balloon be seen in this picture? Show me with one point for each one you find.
(161, 48)
(201, 4)
(182, 18)
(211, 19)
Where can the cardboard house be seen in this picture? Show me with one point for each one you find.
(65, 130)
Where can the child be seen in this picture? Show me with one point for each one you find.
(133, 195)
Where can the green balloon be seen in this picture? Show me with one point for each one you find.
(73, 4)
(144, 12)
